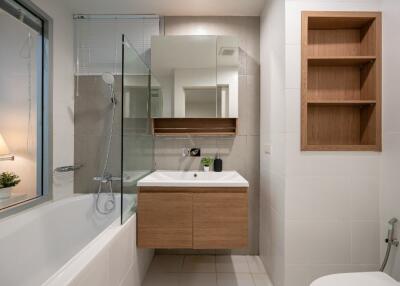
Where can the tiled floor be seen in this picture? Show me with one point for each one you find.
(206, 270)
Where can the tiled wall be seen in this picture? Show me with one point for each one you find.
(390, 163)
(331, 198)
(242, 152)
(93, 117)
(272, 129)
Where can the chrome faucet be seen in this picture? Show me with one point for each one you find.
(191, 152)
(107, 178)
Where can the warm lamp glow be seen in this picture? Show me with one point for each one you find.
(4, 151)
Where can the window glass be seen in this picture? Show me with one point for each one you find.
(21, 98)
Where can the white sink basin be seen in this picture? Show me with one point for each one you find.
(193, 179)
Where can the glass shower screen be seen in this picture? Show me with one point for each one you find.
(137, 138)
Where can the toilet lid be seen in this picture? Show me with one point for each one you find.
(356, 279)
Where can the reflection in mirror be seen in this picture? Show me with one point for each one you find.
(227, 77)
(195, 76)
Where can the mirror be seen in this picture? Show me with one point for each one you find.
(194, 76)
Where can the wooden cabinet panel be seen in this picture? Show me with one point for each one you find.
(165, 220)
(220, 220)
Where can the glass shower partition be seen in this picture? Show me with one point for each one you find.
(137, 138)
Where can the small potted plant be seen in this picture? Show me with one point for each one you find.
(207, 162)
(7, 182)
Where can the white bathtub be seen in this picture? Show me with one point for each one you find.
(57, 242)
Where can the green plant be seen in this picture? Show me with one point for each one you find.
(207, 161)
(8, 180)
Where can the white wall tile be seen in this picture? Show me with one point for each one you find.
(317, 198)
(312, 242)
(365, 242)
(277, 192)
(293, 66)
(364, 197)
(293, 104)
(303, 275)
(328, 163)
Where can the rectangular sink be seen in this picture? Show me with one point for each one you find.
(193, 179)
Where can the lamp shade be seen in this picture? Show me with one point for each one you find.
(4, 151)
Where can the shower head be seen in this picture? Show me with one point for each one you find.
(108, 78)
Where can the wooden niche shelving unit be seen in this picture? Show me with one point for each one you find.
(341, 81)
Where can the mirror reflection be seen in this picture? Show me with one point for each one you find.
(194, 76)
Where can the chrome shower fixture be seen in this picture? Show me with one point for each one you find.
(109, 79)
(390, 240)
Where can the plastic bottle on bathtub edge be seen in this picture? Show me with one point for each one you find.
(217, 164)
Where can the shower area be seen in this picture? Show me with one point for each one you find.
(113, 139)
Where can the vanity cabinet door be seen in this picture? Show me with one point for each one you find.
(220, 220)
(165, 220)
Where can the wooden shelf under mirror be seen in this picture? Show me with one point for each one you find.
(341, 81)
(195, 126)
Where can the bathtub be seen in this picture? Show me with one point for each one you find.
(58, 242)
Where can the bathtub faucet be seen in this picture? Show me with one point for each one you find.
(107, 178)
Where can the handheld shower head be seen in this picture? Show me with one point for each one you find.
(108, 78)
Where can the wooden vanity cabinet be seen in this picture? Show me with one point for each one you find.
(165, 220)
(192, 218)
(219, 220)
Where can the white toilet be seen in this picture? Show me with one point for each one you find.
(356, 279)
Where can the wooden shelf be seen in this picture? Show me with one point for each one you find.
(341, 148)
(341, 81)
(341, 102)
(194, 126)
(171, 133)
(340, 20)
(341, 61)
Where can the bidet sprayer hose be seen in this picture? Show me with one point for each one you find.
(390, 240)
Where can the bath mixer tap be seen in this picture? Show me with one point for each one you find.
(191, 152)
(106, 178)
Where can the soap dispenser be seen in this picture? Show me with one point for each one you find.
(217, 164)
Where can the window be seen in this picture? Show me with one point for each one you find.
(25, 102)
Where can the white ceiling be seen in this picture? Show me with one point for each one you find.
(170, 7)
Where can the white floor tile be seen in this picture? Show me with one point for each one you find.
(199, 263)
(200, 270)
(167, 264)
(234, 279)
(232, 264)
(198, 279)
(261, 280)
(255, 264)
(161, 279)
